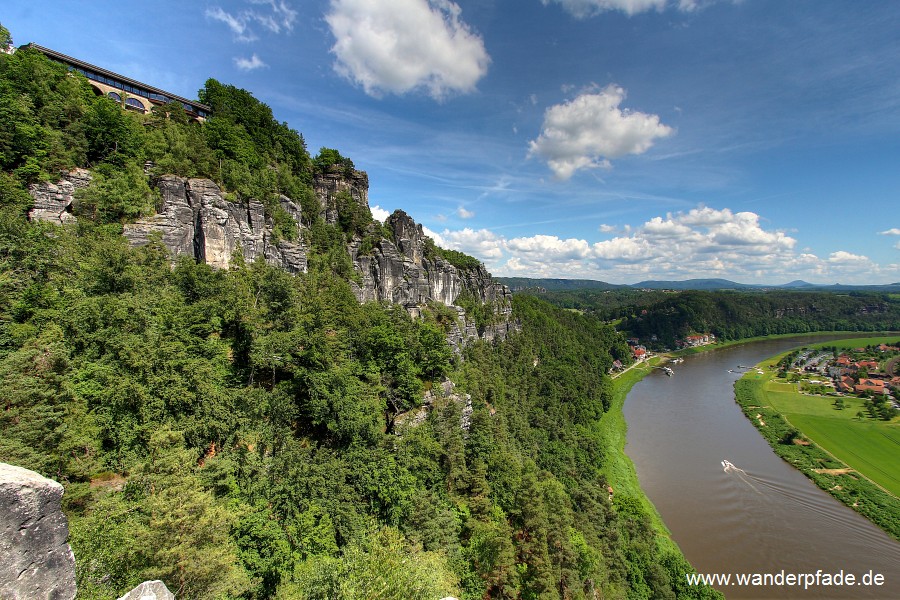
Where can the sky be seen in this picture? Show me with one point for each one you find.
(619, 140)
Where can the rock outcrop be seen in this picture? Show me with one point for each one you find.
(194, 219)
(35, 559)
(338, 180)
(150, 590)
(399, 271)
(54, 201)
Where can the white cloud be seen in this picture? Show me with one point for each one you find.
(846, 258)
(582, 9)
(379, 214)
(892, 231)
(278, 17)
(462, 213)
(400, 46)
(249, 64)
(586, 132)
(237, 24)
(702, 242)
(604, 228)
(482, 244)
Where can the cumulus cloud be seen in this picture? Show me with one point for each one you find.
(277, 16)
(892, 231)
(379, 214)
(702, 242)
(249, 64)
(462, 213)
(586, 132)
(846, 258)
(582, 9)
(400, 46)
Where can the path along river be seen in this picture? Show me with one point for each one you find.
(764, 516)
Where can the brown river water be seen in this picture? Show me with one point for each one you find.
(762, 516)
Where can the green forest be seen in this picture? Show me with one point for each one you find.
(236, 433)
(730, 315)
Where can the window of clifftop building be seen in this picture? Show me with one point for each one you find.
(135, 103)
(114, 96)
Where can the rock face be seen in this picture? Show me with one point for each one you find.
(336, 181)
(35, 560)
(54, 201)
(399, 272)
(150, 590)
(194, 219)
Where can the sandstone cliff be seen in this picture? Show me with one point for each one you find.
(194, 218)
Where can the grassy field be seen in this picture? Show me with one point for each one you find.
(867, 445)
(837, 439)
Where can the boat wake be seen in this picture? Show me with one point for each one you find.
(810, 500)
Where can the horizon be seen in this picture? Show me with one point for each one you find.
(610, 140)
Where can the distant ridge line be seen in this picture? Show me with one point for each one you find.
(559, 284)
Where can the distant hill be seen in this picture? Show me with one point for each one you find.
(557, 285)
(693, 284)
(562, 285)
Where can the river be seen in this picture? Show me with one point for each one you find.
(765, 516)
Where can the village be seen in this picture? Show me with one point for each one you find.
(865, 372)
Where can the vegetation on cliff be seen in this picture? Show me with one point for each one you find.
(235, 432)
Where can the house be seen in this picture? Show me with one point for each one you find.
(845, 384)
(876, 386)
(843, 360)
(869, 365)
(640, 352)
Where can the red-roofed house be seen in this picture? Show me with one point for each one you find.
(845, 384)
(876, 386)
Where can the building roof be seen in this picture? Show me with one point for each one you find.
(87, 69)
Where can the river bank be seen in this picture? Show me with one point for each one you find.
(762, 516)
(800, 449)
(622, 477)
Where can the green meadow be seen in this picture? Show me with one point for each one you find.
(867, 445)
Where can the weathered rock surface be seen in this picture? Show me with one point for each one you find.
(194, 219)
(399, 272)
(336, 181)
(35, 560)
(54, 201)
(150, 590)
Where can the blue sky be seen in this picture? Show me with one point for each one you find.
(618, 140)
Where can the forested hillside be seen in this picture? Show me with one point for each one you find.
(737, 315)
(246, 433)
(731, 315)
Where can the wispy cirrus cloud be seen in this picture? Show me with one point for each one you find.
(585, 133)
(402, 46)
(272, 16)
(275, 17)
(582, 9)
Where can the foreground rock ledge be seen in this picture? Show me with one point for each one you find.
(36, 562)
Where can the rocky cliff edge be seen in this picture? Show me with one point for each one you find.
(195, 219)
